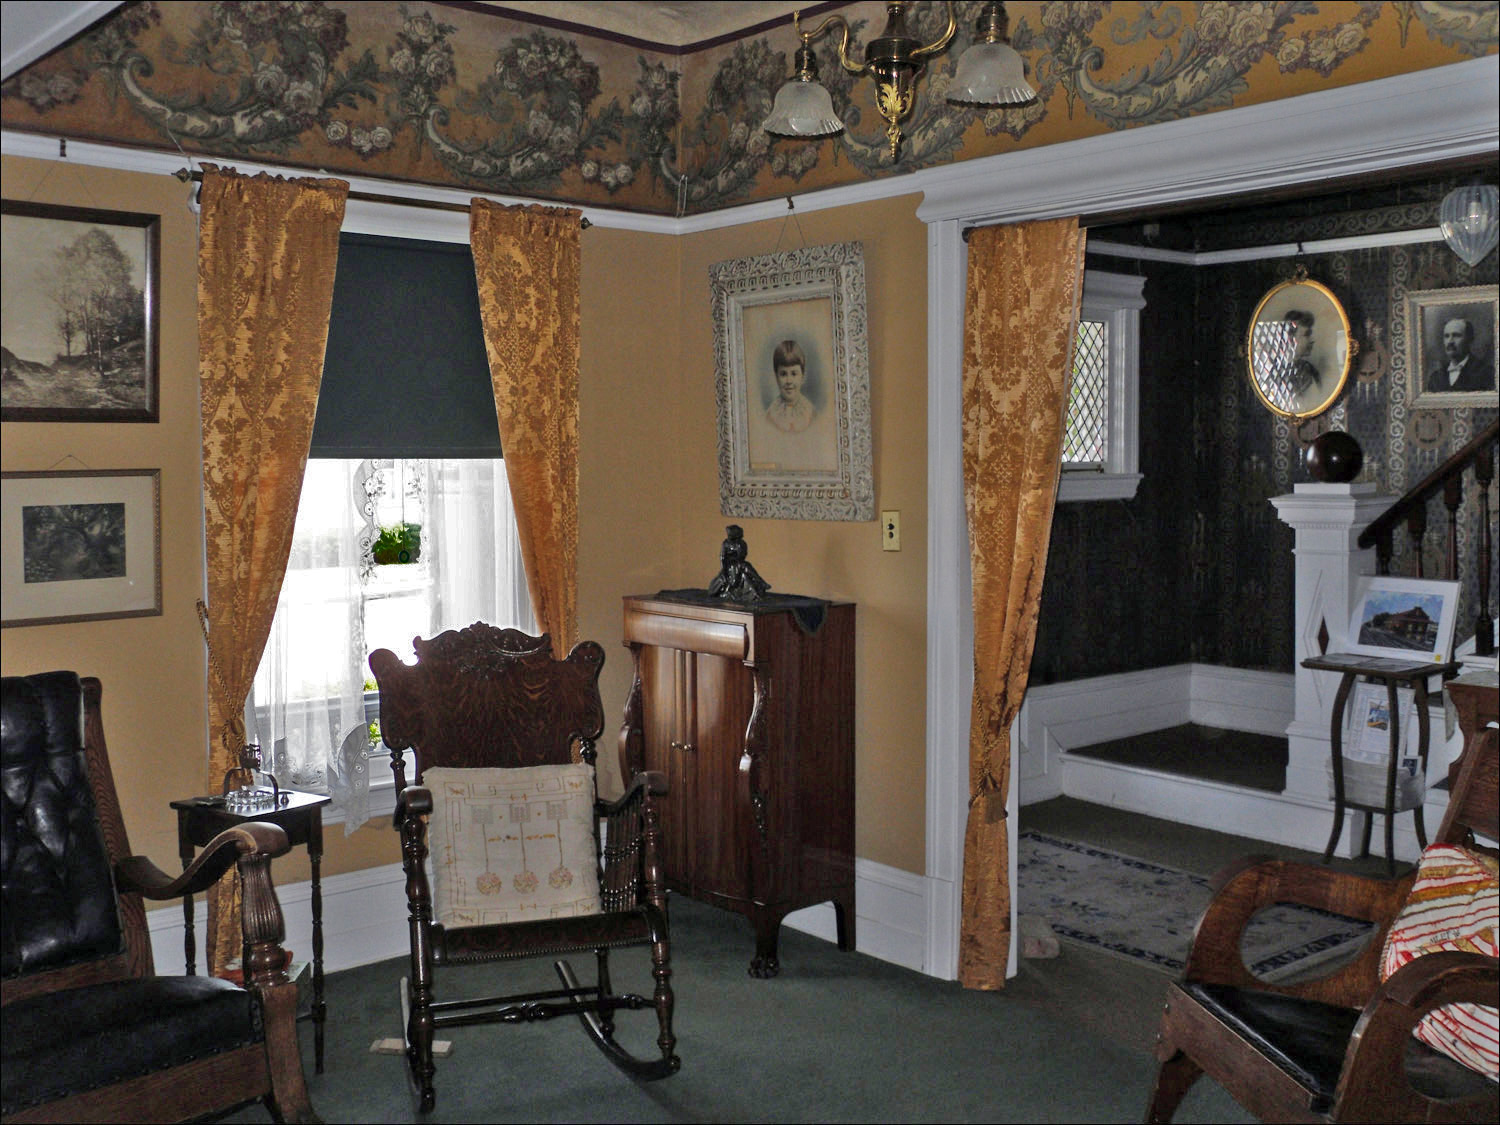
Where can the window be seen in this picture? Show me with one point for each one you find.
(1099, 442)
(313, 703)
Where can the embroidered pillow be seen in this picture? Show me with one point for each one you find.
(1454, 905)
(512, 845)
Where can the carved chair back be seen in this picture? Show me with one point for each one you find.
(484, 696)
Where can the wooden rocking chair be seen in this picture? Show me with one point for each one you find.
(492, 720)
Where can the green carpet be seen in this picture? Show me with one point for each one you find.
(836, 1037)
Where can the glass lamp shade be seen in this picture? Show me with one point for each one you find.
(1470, 220)
(990, 74)
(802, 109)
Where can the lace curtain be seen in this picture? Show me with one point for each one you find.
(309, 706)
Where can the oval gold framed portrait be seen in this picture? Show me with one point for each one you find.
(1298, 348)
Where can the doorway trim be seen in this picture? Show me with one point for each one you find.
(1429, 117)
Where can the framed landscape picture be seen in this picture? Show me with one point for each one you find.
(79, 546)
(1404, 618)
(78, 338)
(793, 390)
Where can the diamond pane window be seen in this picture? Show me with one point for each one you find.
(1099, 459)
(1086, 439)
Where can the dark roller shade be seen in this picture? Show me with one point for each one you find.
(405, 374)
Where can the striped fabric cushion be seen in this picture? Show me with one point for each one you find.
(1454, 905)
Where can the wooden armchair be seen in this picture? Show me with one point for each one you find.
(90, 1033)
(1340, 1047)
(493, 719)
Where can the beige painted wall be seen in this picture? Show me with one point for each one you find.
(838, 559)
(152, 668)
(649, 515)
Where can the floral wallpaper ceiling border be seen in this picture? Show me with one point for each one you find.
(456, 97)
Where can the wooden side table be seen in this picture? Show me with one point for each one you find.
(1394, 674)
(200, 819)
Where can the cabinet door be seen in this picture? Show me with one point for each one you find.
(722, 694)
(664, 733)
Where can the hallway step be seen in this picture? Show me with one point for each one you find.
(1230, 757)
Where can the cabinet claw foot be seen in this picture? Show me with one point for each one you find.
(764, 968)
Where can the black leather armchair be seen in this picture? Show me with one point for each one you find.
(88, 1032)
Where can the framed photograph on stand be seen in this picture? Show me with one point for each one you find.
(1404, 618)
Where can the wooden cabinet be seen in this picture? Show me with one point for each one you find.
(749, 711)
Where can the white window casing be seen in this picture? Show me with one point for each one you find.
(1117, 300)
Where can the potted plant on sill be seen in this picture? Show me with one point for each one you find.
(399, 544)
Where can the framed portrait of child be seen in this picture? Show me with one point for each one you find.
(793, 385)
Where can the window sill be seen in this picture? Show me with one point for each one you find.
(1076, 486)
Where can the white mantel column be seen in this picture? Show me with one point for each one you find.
(1327, 519)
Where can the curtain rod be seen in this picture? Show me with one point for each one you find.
(189, 176)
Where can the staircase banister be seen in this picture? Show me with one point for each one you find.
(1384, 524)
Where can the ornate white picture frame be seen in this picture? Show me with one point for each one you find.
(793, 390)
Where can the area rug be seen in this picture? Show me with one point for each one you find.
(1146, 912)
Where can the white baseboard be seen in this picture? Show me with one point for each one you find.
(364, 919)
(890, 912)
(1274, 817)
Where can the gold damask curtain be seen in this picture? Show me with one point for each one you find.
(267, 248)
(526, 263)
(1020, 315)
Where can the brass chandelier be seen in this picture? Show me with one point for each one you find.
(990, 72)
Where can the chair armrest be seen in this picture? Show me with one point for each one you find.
(1250, 885)
(648, 783)
(414, 800)
(138, 875)
(631, 864)
(1374, 1083)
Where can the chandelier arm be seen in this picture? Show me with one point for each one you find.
(942, 40)
(843, 25)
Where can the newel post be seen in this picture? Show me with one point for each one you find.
(1327, 520)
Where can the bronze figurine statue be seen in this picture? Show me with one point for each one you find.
(737, 580)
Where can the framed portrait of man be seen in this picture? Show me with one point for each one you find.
(1451, 335)
(793, 389)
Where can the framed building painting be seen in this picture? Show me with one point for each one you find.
(1404, 618)
(79, 545)
(80, 292)
(793, 385)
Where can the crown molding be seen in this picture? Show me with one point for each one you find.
(1426, 117)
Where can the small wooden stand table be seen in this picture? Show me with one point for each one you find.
(200, 819)
(1394, 674)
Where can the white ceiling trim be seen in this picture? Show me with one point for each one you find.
(1258, 253)
(31, 28)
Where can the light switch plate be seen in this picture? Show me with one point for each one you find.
(890, 530)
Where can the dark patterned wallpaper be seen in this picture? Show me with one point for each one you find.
(1198, 567)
